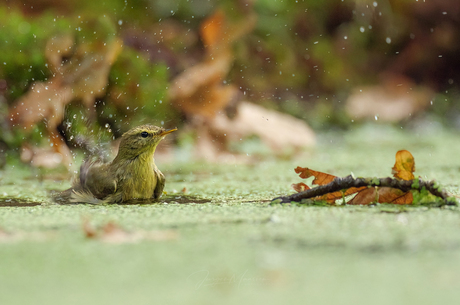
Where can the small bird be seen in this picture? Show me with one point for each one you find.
(131, 175)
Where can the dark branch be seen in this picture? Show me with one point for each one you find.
(339, 184)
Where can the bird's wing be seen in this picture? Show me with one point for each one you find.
(160, 184)
(96, 177)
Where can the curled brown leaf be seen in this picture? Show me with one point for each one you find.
(403, 169)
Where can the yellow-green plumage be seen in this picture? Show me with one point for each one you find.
(131, 175)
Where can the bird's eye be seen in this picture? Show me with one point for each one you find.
(144, 134)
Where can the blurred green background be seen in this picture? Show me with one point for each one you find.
(304, 58)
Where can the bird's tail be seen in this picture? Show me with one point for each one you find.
(84, 196)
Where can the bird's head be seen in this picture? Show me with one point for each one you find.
(141, 139)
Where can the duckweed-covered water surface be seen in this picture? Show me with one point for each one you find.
(215, 237)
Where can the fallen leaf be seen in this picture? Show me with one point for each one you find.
(199, 91)
(320, 178)
(87, 73)
(88, 229)
(83, 76)
(213, 29)
(44, 101)
(403, 169)
(215, 109)
(382, 195)
(10, 237)
(404, 166)
(300, 187)
(323, 179)
(277, 130)
(114, 234)
(395, 99)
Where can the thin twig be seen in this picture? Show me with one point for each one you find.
(339, 184)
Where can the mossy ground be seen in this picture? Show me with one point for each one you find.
(231, 245)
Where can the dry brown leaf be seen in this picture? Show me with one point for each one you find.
(114, 234)
(42, 157)
(5, 236)
(57, 48)
(200, 93)
(10, 237)
(277, 130)
(84, 76)
(404, 166)
(88, 229)
(44, 101)
(212, 30)
(403, 169)
(199, 90)
(382, 195)
(323, 179)
(300, 187)
(320, 178)
(88, 72)
(397, 98)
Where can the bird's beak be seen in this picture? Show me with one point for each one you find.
(167, 131)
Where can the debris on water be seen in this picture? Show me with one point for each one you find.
(170, 200)
(15, 202)
(62, 198)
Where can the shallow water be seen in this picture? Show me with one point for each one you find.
(231, 246)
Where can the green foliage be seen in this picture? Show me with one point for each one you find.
(426, 198)
(138, 90)
(22, 41)
(375, 181)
